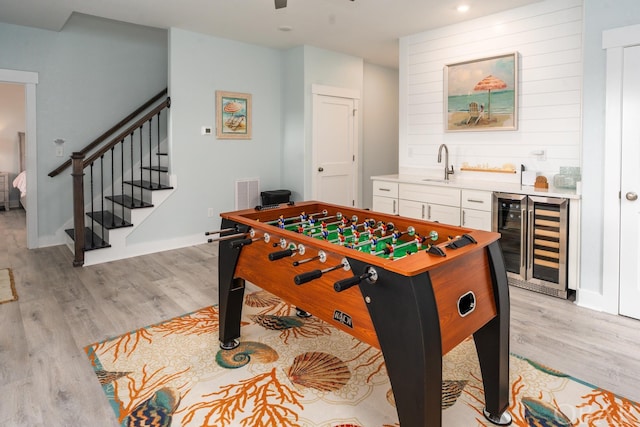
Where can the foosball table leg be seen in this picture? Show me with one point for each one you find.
(410, 340)
(492, 345)
(230, 292)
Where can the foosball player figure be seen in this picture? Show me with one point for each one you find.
(341, 239)
(312, 221)
(383, 229)
(281, 221)
(388, 249)
(374, 243)
(340, 228)
(396, 235)
(301, 229)
(418, 241)
(325, 234)
(370, 229)
(303, 216)
(345, 221)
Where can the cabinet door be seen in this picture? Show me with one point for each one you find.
(480, 220)
(443, 214)
(385, 205)
(411, 209)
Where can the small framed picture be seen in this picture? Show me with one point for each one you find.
(482, 94)
(233, 115)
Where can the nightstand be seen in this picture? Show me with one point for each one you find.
(4, 189)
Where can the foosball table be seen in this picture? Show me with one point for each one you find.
(414, 289)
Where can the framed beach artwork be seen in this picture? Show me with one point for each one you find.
(233, 115)
(482, 94)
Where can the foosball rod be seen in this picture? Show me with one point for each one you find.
(433, 235)
(230, 236)
(316, 274)
(275, 221)
(322, 257)
(224, 230)
(308, 225)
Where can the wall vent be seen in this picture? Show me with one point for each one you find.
(247, 193)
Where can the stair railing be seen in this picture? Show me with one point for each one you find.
(95, 143)
(103, 162)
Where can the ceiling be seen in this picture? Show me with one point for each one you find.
(369, 29)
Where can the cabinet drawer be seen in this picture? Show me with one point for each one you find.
(474, 199)
(385, 189)
(429, 194)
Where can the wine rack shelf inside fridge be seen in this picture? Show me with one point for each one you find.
(534, 241)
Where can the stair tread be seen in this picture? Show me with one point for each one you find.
(91, 240)
(108, 220)
(129, 202)
(148, 185)
(156, 168)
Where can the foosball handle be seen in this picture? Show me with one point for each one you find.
(435, 250)
(465, 240)
(307, 277)
(280, 254)
(240, 243)
(344, 284)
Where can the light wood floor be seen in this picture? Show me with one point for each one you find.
(45, 378)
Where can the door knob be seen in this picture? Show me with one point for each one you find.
(320, 169)
(631, 196)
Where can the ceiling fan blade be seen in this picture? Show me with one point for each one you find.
(281, 3)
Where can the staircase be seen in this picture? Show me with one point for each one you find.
(118, 181)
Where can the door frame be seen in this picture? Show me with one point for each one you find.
(339, 92)
(30, 80)
(614, 41)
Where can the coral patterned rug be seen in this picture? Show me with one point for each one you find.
(290, 371)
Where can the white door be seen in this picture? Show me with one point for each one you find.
(334, 147)
(630, 186)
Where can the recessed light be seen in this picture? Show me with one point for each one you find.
(285, 28)
(463, 8)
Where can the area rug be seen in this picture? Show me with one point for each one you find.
(7, 286)
(290, 371)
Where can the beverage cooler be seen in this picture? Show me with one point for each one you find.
(534, 241)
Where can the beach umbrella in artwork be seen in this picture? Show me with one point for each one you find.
(232, 108)
(489, 83)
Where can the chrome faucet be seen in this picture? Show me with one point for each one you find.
(447, 171)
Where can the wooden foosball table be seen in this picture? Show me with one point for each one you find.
(413, 289)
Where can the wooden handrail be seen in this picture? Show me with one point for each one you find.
(105, 135)
(165, 104)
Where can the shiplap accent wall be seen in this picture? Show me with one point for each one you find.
(548, 39)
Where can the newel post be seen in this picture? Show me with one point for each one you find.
(77, 174)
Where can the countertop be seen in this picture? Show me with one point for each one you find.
(475, 184)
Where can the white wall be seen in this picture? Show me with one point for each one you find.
(328, 68)
(90, 75)
(380, 132)
(548, 38)
(12, 121)
(293, 123)
(206, 168)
